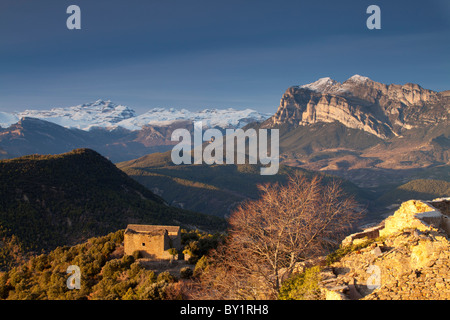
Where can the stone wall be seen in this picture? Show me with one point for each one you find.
(152, 242)
(408, 260)
(413, 214)
(150, 246)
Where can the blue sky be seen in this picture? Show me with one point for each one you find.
(216, 54)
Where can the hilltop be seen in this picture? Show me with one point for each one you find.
(52, 200)
(106, 272)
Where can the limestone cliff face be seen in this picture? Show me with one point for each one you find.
(360, 103)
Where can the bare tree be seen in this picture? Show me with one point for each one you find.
(289, 223)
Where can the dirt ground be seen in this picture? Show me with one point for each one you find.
(173, 267)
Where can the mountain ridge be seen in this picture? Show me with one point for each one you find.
(108, 115)
(361, 103)
(376, 135)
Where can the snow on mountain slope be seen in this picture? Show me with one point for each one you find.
(7, 119)
(95, 114)
(321, 85)
(107, 114)
(330, 86)
(223, 118)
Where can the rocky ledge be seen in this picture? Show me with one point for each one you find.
(406, 257)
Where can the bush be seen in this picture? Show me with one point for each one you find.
(165, 277)
(186, 273)
(201, 266)
(135, 268)
(302, 286)
(108, 248)
(155, 291)
(136, 254)
(110, 268)
(127, 261)
(173, 251)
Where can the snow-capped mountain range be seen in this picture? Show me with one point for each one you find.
(106, 114)
(330, 86)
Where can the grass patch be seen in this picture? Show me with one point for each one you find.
(343, 251)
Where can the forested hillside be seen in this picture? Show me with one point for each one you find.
(106, 272)
(49, 201)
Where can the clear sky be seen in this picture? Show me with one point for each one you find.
(207, 53)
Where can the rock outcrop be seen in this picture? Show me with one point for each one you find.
(360, 103)
(407, 257)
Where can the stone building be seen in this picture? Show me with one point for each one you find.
(153, 242)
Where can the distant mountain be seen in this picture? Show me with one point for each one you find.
(115, 131)
(31, 136)
(50, 201)
(95, 114)
(36, 136)
(106, 114)
(371, 133)
(360, 103)
(211, 118)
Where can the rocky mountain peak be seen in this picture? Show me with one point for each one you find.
(322, 85)
(361, 103)
(358, 78)
(330, 86)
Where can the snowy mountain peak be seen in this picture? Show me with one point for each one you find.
(328, 85)
(7, 119)
(100, 102)
(358, 78)
(99, 113)
(321, 85)
(223, 118)
(106, 114)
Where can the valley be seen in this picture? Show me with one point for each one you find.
(384, 143)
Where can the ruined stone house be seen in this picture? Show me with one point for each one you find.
(152, 241)
(406, 257)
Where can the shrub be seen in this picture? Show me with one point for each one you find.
(108, 248)
(110, 268)
(127, 261)
(302, 286)
(173, 251)
(165, 277)
(186, 273)
(135, 268)
(136, 254)
(201, 265)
